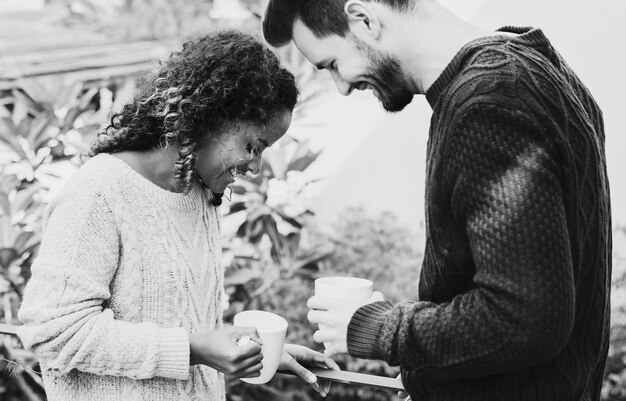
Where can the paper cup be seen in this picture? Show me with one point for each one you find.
(343, 289)
(351, 289)
(272, 329)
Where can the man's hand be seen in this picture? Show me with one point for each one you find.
(333, 316)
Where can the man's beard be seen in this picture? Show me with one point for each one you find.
(387, 77)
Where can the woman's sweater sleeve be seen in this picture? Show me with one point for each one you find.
(507, 195)
(64, 311)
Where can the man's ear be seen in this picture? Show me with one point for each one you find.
(362, 19)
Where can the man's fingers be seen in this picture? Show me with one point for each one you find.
(331, 349)
(320, 303)
(317, 316)
(377, 296)
(321, 336)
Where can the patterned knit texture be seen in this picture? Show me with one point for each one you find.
(125, 272)
(514, 288)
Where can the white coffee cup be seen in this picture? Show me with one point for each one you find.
(272, 329)
(351, 289)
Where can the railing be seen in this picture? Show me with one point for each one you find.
(334, 375)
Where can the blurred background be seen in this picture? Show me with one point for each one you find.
(342, 193)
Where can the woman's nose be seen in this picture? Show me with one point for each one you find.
(254, 165)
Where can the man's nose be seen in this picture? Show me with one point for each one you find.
(342, 86)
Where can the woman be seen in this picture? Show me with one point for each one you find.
(125, 300)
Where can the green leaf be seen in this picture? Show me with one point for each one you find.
(277, 163)
(302, 158)
(241, 231)
(32, 244)
(7, 233)
(236, 207)
(241, 276)
(238, 189)
(5, 204)
(7, 256)
(25, 197)
(290, 220)
(255, 231)
(38, 128)
(8, 182)
(258, 211)
(8, 133)
(275, 238)
(22, 239)
(33, 106)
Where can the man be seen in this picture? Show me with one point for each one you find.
(514, 289)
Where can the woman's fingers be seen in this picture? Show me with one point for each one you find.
(324, 386)
(250, 367)
(294, 355)
(241, 332)
(402, 394)
(247, 345)
(322, 361)
(290, 363)
(309, 357)
(251, 371)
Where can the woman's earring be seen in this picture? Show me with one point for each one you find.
(217, 199)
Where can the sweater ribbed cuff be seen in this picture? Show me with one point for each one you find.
(364, 330)
(173, 353)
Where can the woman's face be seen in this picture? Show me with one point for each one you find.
(237, 149)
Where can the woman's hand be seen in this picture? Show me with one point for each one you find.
(219, 350)
(295, 355)
(403, 395)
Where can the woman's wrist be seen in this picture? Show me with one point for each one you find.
(194, 359)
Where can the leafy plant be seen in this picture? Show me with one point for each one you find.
(377, 247)
(43, 129)
(270, 242)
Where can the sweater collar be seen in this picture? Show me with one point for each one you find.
(526, 36)
(178, 201)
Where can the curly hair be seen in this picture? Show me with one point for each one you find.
(216, 79)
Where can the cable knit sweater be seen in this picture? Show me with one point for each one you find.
(514, 288)
(125, 271)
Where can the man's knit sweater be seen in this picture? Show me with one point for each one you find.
(125, 271)
(514, 288)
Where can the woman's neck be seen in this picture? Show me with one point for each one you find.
(156, 165)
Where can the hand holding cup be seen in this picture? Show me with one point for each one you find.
(219, 350)
(272, 330)
(335, 301)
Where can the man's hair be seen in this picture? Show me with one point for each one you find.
(216, 79)
(322, 17)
